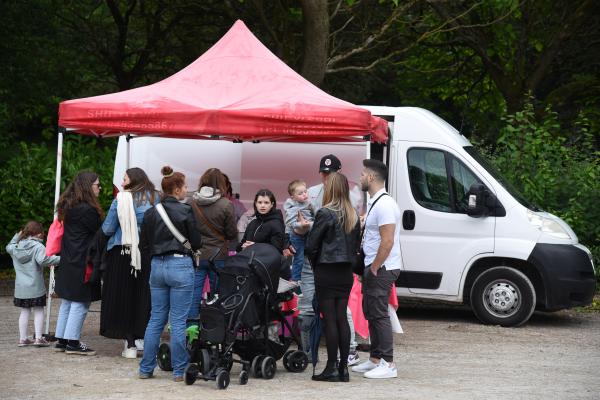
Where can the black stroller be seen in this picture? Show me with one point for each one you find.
(244, 319)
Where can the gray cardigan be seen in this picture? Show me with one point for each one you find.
(29, 256)
(291, 208)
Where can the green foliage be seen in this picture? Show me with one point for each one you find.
(28, 179)
(560, 176)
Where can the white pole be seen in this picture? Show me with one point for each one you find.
(128, 147)
(56, 196)
(58, 169)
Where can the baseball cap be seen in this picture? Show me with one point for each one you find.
(329, 163)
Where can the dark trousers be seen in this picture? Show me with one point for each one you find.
(376, 293)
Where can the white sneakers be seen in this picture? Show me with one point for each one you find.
(364, 366)
(129, 352)
(382, 370)
(353, 358)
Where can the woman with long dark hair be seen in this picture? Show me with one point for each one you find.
(79, 210)
(331, 249)
(125, 291)
(267, 225)
(216, 222)
(172, 274)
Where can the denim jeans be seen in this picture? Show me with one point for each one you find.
(307, 285)
(199, 277)
(171, 284)
(298, 242)
(71, 316)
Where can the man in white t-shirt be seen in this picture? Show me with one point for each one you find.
(381, 246)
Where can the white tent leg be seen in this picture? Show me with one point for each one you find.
(59, 149)
(127, 163)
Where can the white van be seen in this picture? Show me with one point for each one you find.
(466, 235)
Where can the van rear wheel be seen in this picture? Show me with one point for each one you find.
(503, 296)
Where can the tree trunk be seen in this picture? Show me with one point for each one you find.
(315, 17)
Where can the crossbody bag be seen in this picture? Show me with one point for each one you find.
(180, 238)
(359, 265)
(210, 226)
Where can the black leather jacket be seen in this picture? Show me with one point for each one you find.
(157, 239)
(328, 243)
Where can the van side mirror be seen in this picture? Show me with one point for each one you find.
(483, 203)
(477, 200)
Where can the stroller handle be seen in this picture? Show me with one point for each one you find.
(251, 261)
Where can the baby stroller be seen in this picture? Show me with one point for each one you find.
(245, 319)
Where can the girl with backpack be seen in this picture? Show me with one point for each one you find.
(29, 257)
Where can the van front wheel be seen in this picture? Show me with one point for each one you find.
(503, 296)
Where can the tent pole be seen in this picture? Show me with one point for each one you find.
(59, 149)
(58, 168)
(128, 138)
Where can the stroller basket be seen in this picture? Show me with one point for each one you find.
(212, 325)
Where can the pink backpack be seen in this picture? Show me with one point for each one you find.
(55, 234)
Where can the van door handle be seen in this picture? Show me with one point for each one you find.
(408, 220)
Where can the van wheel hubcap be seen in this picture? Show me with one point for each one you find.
(502, 298)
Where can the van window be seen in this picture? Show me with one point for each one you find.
(500, 178)
(462, 179)
(429, 179)
(439, 181)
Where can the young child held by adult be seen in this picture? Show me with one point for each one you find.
(29, 257)
(299, 217)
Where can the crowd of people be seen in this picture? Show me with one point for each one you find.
(150, 258)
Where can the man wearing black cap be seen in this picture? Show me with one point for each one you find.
(329, 163)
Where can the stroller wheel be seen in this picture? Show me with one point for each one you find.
(163, 357)
(297, 361)
(243, 377)
(204, 362)
(222, 378)
(255, 367)
(268, 367)
(190, 373)
(286, 360)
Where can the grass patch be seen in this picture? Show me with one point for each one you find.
(7, 274)
(594, 307)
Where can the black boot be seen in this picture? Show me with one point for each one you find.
(329, 374)
(344, 376)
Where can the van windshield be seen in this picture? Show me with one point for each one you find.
(501, 179)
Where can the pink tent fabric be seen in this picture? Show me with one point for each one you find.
(237, 90)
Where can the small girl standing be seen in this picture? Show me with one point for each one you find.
(29, 257)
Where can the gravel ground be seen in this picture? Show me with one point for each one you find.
(443, 354)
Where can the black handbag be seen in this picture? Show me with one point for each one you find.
(359, 264)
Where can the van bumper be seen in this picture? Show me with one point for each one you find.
(568, 275)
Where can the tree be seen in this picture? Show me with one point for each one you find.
(517, 42)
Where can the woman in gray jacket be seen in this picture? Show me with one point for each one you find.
(216, 221)
(29, 257)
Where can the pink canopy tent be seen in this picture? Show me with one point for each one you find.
(238, 90)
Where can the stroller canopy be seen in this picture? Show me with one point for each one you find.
(261, 259)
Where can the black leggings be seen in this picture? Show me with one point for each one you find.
(337, 330)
